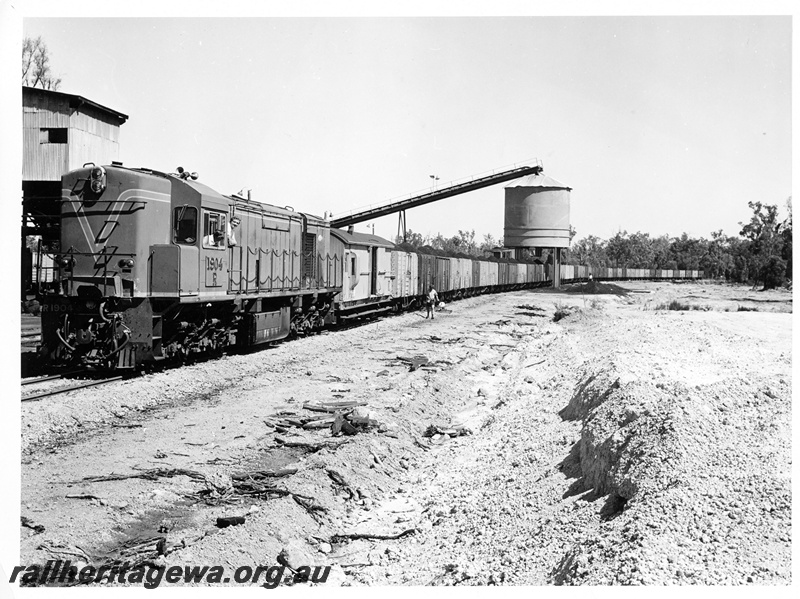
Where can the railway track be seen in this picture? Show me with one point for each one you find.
(65, 389)
(41, 379)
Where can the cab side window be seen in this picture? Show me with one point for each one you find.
(184, 225)
(213, 229)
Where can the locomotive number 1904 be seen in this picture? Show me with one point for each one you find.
(213, 266)
(56, 307)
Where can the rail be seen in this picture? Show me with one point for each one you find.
(75, 387)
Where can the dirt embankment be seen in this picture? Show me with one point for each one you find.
(619, 445)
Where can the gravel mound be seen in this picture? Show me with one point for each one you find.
(628, 441)
(691, 471)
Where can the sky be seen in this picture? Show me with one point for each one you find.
(660, 124)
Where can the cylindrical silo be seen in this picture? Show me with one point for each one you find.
(537, 213)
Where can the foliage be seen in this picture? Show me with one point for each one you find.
(415, 240)
(463, 243)
(36, 70)
(761, 254)
(589, 251)
(562, 311)
(767, 239)
(774, 272)
(676, 305)
(673, 305)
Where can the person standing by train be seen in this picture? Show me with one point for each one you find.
(431, 301)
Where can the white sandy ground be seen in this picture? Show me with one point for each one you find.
(619, 445)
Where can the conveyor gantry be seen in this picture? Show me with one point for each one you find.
(435, 196)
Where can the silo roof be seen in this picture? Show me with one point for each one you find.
(540, 180)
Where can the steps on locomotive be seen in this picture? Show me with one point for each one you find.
(158, 350)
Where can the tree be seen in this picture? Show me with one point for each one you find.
(618, 249)
(440, 242)
(489, 242)
(688, 252)
(641, 250)
(36, 65)
(466, 243)
(415, 240)
(786, 234)
(766, 245)
(662, 256)
(718, 260)
(589, 251)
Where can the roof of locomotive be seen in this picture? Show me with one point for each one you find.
(243, 203)
(205, 190)
(191, 183)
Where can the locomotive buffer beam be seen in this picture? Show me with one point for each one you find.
(435, 196)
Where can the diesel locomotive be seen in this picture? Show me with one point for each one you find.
(156, 266)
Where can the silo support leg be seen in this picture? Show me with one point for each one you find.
(556, 268)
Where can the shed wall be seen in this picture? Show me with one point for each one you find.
(92, 136)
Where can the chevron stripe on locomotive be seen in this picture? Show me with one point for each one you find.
(157, 266)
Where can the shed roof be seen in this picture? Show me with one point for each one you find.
(74, 101)
(540, 180)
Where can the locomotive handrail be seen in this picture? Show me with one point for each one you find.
(258, 270)
(76, 253)
(232, 270)
(71, 251)
(267, 279)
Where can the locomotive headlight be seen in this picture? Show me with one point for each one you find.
(66, 263)
(126, 263)
(98, 180)
(90, 304)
